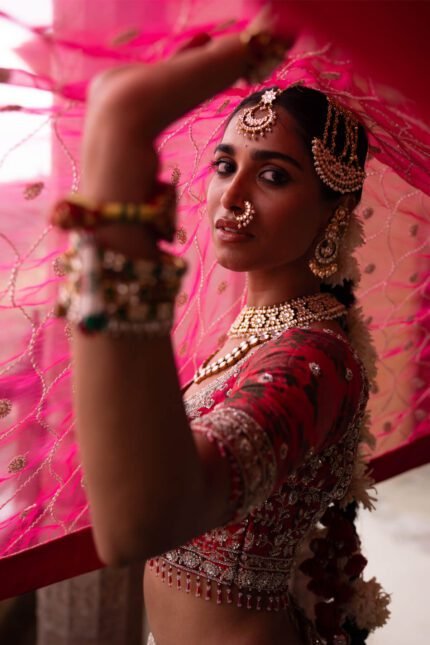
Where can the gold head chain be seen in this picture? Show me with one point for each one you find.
(341, 172)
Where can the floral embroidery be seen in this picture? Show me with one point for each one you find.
(181, 235)
(181, 299)
(265, 378)
(203, 398)
(175, 178)
(236, 432)
(286, 474)
(315, 369)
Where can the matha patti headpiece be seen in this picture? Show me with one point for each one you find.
(254, 127)
(341, 172)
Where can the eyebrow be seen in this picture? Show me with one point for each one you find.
(260, 155)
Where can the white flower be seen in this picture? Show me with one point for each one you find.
(369, 605)
(362, 342)
(361, 482)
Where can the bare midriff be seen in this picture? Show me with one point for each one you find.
(180, 618)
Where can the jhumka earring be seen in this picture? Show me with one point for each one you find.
(253, 127)
(341, 172)
(244, 218)
(324, 263)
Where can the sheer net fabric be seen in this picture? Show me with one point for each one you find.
(43, 507)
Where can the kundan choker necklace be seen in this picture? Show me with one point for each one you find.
(257, 325)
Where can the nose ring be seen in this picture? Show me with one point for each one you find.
(244, 218)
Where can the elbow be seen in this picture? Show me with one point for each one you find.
(121, 548)
(134, 539)
(113, 553)
(113, 91)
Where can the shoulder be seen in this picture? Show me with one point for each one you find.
(302, 351)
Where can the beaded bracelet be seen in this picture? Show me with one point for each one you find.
(75, 212)
(105, 291)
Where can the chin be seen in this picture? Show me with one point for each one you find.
(235, 262)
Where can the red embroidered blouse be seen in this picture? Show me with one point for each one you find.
(287, 418)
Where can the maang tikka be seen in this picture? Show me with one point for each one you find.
(341, 172)
(253, 127)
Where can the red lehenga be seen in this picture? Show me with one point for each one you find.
(45, 532)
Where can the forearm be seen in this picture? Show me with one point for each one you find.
(147, 485)
(138, 454)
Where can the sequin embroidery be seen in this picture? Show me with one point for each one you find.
(285, 485)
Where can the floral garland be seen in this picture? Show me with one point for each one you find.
(350, 607)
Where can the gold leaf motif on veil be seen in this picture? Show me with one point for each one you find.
(125, 37)
(5, 407)
(17, 463)
(222, 286)
(181, 235)
(31, 191)
(181, 299)
(176, 175)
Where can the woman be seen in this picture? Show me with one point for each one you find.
(268, 436)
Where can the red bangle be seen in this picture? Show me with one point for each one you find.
(75, 212)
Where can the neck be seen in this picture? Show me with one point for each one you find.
(273, 286)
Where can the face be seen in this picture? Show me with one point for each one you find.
(276, 174)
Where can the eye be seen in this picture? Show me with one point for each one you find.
(223, 166)
(275, 176)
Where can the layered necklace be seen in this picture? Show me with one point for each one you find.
(256, 325)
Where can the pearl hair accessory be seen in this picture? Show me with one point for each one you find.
(341, 172)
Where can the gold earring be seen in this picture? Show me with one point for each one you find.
(246, 217)
(324, 263)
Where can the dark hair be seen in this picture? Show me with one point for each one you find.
(309, 109)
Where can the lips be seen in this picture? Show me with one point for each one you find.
(231, 227)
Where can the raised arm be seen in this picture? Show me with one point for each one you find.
(151, 485)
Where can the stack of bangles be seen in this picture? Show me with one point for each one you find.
(106, 291)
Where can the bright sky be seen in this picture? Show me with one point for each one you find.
(33, 159)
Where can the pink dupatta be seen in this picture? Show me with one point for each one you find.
(45, 532)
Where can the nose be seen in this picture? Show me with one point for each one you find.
(235, 194)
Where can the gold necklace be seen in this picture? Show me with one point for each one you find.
(259, 324)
